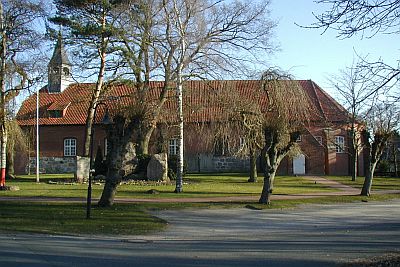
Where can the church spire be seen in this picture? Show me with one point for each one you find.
(59, 69)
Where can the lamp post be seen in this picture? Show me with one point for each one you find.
(105, 121)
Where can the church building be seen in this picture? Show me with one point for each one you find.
(63, 106)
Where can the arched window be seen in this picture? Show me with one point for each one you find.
(69, 147)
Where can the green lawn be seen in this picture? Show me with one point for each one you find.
(130, 219)
(195, 185)
(70, 218)
(378, 183)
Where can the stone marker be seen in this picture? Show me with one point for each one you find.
(157, 170)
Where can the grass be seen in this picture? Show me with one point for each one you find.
(70, 218)
(132, 219)
(195, 185)
(379, 183)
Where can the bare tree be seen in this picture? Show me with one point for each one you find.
(272, 118)
(349, 18)
(355, 93)
(353, 17)
(288, 113)
(382, 121)
(211, 37)
(18, 36)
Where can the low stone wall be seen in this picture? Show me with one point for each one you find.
(231, 164)
(210, 163)
(198, 163)
(53, 164)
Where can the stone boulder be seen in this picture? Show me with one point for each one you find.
(157, 169)
(82, 169)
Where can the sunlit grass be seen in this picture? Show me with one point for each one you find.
(378, 183)
(131, 219)
(195, 185)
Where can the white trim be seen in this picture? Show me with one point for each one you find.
(339, 144)
(173, 147)
(69, 147)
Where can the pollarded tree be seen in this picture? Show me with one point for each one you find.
(240, 128)
(288, 113)
(273, 117)
(217, 37)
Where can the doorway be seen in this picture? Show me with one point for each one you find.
(299, 165)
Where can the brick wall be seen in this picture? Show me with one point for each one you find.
(51, 149)
(319, 159)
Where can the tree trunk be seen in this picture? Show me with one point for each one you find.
(354, 165)
(269, 176)
(375, 152)
(3, 152)
(353, 152)
(90, 114)
(179, 171)
(10, 163)
(110, 188)
(144, 140)
(369, 176)
(96, 93)
(120, 159)
(253, 167)
(394, 152)
(3, 128)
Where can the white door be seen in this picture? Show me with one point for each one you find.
(299, 164)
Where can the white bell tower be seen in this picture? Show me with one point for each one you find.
(59, 69)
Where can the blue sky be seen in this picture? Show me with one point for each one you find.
(309, 54)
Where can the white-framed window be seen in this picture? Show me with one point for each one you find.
(173, 147)
(298, 139)
(319, 139)
(339, 143)
(70, 147)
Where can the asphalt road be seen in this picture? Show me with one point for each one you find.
(310, 236)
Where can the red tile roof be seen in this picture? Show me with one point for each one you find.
(200, 101)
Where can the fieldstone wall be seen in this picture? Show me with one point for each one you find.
(53, 164)
(231, 164)
(210, 163)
